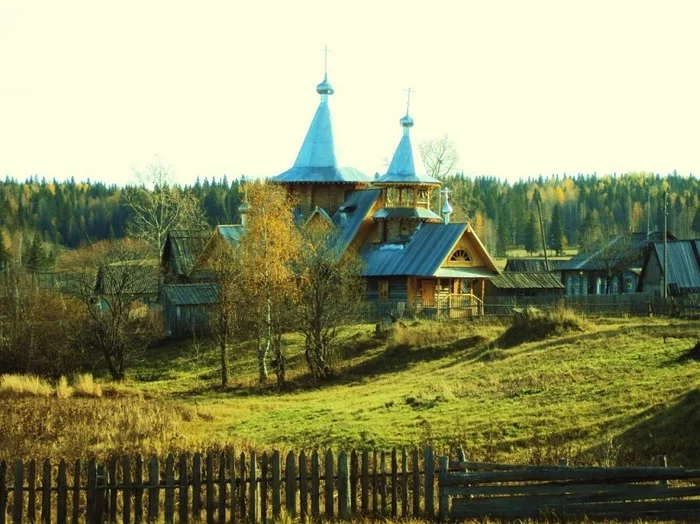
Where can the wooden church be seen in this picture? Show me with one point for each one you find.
(414, 258)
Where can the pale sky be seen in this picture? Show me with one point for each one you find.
(91, 89)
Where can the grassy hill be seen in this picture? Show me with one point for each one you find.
(609, 391)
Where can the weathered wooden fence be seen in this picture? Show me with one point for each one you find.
(500, 491)
(219, 488)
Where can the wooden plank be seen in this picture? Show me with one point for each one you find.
(169, 508)
(209, 483)
(61, 494)
(291, 485)
(382, 483)
(154, 488)
(46, 493)
(253, 512)
(353, 482)
(573, 475)
(394, 481)
(415, 485)
(303, 487)
(221, 510)
(276, 483)
(126, 492)
(31, 495)
(364, 483)
(429, 477)
(3, 492)
(328, 485)
(343, 486)
(443, 498)
(183, 514)
(18, 492)
(232, 480)
(112, 480)
(98, 512)
(138, 493)
(404, 483)
(75, 513)
(264, 473)
(242, 475)
(315, 486)
(196, 486)
(375, 484)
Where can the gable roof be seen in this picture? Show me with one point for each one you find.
(183, 248)
(191, 294)
(683, 265)
(423, 254)
(631, 250)
(526, 280)
(230, 233)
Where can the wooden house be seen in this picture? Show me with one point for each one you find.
(683, 270)
(613, 268)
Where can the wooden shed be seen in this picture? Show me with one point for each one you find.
(187, 308)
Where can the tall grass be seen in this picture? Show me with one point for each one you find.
(85, 386)
(24, 385)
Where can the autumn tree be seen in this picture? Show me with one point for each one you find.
(269, 251)
(110, 279)
(330, 290)
(157, 206)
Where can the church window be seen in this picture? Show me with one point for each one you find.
(460, 256)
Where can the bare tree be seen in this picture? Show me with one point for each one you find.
(439, 156)
(111, 279)
(330, 291)
(157, 206)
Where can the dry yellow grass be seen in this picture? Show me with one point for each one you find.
(63, 390)
(24, 385)
(85, 386)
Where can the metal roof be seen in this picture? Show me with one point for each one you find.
(402, 169)
(464, 272)
(525, 280)
(683, 265)
(183, 248)
(191, 294)
(231, 233)
(352, 213)
(316, 161)
(419, 213)
(421, 256)
(532, 264)
(626, 250)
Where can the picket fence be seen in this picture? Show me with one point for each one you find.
(221, 487)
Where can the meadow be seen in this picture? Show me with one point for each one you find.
(598, 391)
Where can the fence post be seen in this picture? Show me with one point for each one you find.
(429, 465)
(353, 482)
(112, 480)
(394, 482)
(222, 488)
(61, 501)
(100, 481)
(291, 484)
(210, 487)
(242, 473)
(415, 488)
(3, 491)
(169, 489)
(364, 482)
(232, 474)
(315, 485)
(276, 475)
(183, 514)
(196, 486)
(31, 496)
(303, 487)
(343, 486)
(329, 492)
(17, 492)
(253, 504)
(138, 495)
(154, 488)
(46, 493)
(264, 475)
(443, 502)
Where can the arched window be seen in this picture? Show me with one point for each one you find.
(460, 256)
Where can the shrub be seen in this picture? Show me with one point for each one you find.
(85, 386)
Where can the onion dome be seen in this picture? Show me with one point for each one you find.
(325, 87)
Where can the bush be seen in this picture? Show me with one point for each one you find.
(531, 324)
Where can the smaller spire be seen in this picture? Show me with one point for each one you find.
(446, 207)
(244, 207)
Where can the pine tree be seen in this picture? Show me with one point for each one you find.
(556, 232)
(4, 255)
(531, 243)
(696, 222)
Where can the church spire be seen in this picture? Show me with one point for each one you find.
(325, 88)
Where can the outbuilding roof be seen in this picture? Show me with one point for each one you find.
(683, 265)
(532, 265)
(526, 280)
(183, 248)
(191, 294)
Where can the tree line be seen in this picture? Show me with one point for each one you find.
(38, 217)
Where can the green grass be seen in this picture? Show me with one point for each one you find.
(618, 392)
